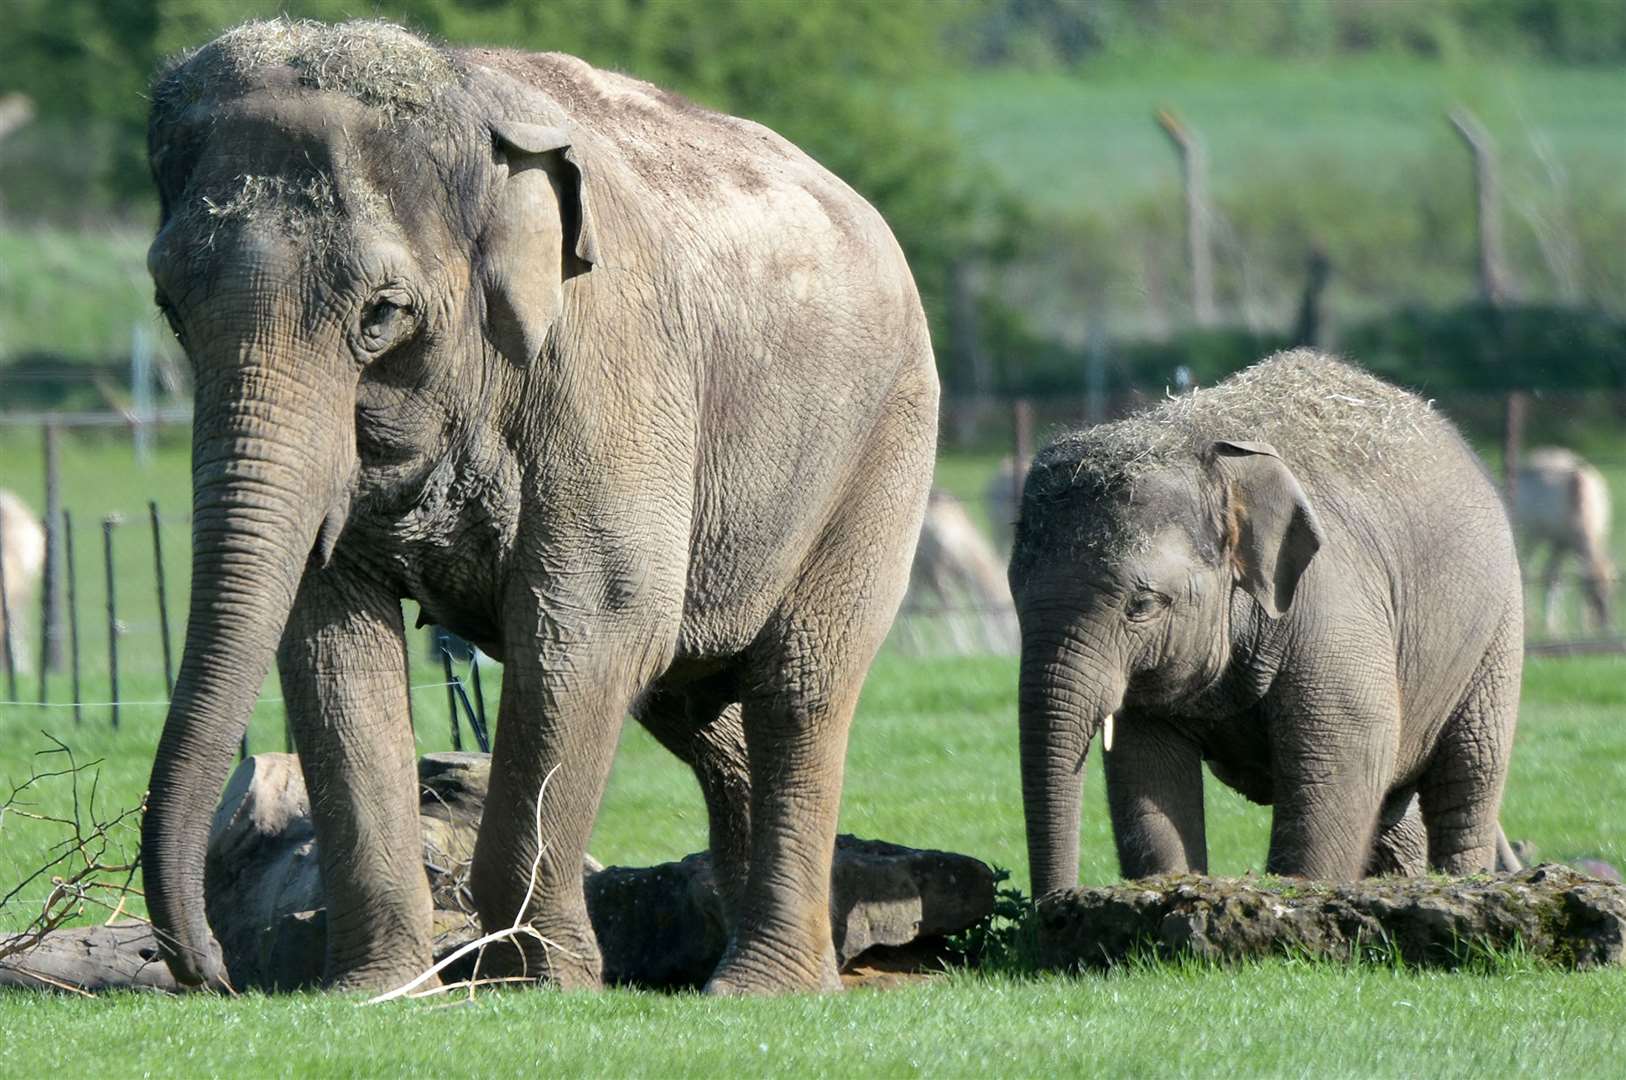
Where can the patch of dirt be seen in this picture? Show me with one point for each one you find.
(888, 967)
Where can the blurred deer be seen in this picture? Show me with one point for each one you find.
(22, 554)
(1563, 502)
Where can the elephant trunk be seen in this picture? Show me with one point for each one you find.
(271, 463)
(1063, 698)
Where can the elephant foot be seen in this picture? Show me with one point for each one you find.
(380, 977)
(565, 961)
(748, 972)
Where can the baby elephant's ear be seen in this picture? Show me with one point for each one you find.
(540, 234)
(1272, 530)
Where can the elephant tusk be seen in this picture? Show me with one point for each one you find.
(1106, 732)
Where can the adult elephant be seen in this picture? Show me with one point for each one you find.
(543, 348)
(1301, 576)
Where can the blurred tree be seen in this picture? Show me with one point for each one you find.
(1068, 31)
(823, 74)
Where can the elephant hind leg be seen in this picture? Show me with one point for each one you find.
(1461, 790)
(707, 733)
(1400, 847)
(802, 680)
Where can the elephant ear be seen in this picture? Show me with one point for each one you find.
(1272, 530)
(540, 234)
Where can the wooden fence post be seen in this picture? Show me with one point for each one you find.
(1311, 329)
(51, 585)
(1495, 281)
(1512, 442)
(1199, 245)
(1022, 446)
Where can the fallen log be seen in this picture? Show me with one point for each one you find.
(89, 959)
(1550, 912)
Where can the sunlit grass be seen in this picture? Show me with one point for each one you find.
(932, 763)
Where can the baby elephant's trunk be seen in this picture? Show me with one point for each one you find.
(1063, 702)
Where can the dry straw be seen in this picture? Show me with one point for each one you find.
(1320, 414)
(375, 62)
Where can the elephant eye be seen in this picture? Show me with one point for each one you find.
(387, 318)
(168, 311)
(1145, 604)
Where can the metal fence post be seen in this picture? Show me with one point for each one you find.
(73, 612)
(451, 697)
(163, 598)
(109, 523)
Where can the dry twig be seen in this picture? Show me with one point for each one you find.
(89, 867)
(519, 928)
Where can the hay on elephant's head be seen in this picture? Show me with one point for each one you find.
(1321, 415)
(1318, 413)
(377, 63)
(399, 77)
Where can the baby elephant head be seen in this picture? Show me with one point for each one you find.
(1125, 574)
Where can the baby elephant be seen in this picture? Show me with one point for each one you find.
(1301, 576)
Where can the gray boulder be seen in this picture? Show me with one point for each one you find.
(659, 926)
(1550, 911)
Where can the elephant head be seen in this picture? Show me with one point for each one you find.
(1128, 556)
(364, 241)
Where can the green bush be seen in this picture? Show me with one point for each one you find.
(1472, 349)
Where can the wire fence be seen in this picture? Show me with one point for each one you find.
(98, 637)
(95, 637)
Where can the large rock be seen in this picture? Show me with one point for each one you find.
(1549, 911)
(657, 926)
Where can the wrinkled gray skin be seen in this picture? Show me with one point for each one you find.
(1301, 577)
(544, 349)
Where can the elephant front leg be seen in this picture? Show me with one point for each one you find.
(1333, 757)
(344, 682)
(561, 717)
(1155, 796)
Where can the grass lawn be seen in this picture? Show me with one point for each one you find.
(932, 763)
(1274, 1019)
(1087, 137)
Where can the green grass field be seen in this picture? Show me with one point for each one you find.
(933, 764)
(1087, 137)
